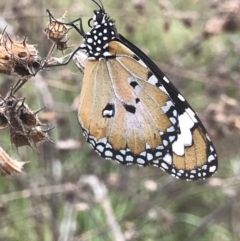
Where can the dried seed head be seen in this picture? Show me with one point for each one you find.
(24, 125)
(56, 31)
(17, 57)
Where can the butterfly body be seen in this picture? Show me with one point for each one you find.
(130, 111)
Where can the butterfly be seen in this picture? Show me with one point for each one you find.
(130, 111)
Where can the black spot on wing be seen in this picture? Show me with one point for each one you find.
(150, 74)
(133, 84)
(130, 108)
(109, 110)
(137, 100)
(136, 57)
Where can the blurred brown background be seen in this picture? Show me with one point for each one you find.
(67, 192)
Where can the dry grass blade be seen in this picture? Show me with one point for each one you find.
(9, 166)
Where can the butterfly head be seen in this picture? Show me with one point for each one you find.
(101, 33)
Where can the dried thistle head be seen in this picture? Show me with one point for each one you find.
(24, 125)
(6, 61)
(18, 58)
(31, 137)
(62, 45)
(56, 31)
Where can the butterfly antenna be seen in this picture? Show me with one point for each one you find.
(99, 4)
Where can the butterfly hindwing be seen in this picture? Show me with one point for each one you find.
(192, 156)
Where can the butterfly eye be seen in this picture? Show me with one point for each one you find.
(99, 16)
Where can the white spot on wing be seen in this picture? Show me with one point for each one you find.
(173, 120)
(107, 113)
(109, 146)
(175, 113)
(92, 142)
(212, 169)
(108, 153)
(168, 159)
(164, 165)
(208, 137)
(140, 161)
(166, 79)
(211, 158)
(166, 108)
(149, 156)
(180, 97)
(89, 40)
(103, 140)
(161, 87)
(158, 154)
(185, 137)
(119, 158)
(100, 148)
(165, 143)
(171, 129)
(129, 158)
(191, 114)
(142, 63)
(153, 80)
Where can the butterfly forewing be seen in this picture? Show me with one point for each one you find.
(125, 116)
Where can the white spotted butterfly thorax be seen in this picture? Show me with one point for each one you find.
(130, 111)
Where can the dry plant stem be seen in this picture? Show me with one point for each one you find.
(101, 196)
(58, 61)
(16, 87)
(50, 156)
(68, 225)
(50, 53)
